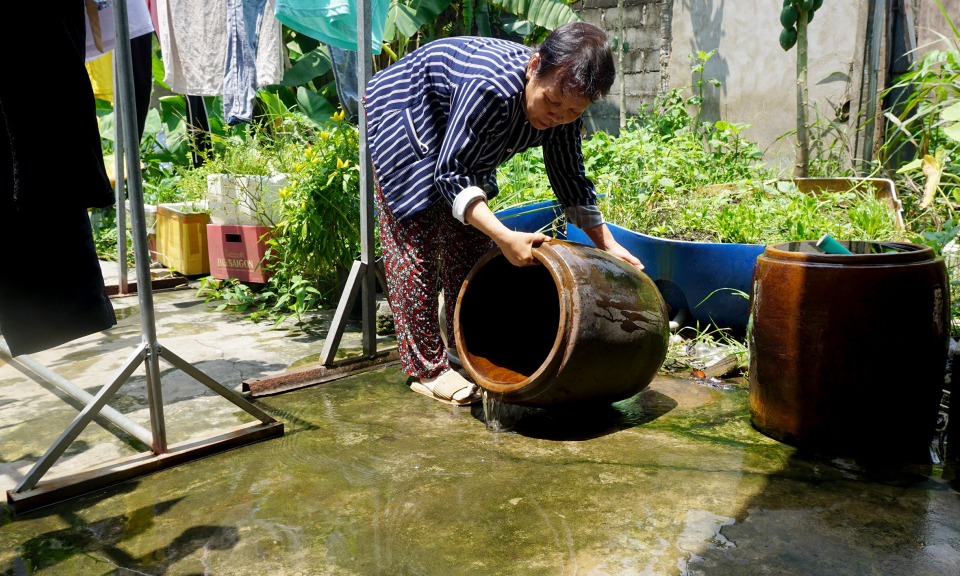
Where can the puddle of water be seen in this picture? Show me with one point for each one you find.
(701, 531)
(126, 312)
(573, 422)
(367, 468)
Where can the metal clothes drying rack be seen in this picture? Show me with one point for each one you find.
(31, 492)
(363, 273)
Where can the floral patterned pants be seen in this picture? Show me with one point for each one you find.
(429, 250)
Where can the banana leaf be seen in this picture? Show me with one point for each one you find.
(549, 14)
(314, 106)
(307, 67)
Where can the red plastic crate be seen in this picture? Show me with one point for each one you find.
(237, 251)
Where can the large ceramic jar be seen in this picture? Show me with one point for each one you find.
(847, 352)
(581, 326)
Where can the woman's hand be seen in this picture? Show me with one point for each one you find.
(518, 247)
(603, 239)
(621, 252)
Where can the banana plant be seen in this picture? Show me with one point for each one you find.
(547, 14)
(794, 18)
(407, 18)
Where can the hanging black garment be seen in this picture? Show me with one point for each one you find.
(141, 53)
(51, 171)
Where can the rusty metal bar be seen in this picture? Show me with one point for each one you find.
(312, 376)
(60, 489)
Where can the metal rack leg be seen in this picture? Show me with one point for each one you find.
(217, 387)
(30, 367)
(335, 333)
(80, 422)
(120, 186)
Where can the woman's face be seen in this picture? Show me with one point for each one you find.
(545, 103)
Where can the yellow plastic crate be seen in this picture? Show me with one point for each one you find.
(182, 239)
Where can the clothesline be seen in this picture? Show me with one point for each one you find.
(233, 47)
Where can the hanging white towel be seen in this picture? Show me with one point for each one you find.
(193, 42)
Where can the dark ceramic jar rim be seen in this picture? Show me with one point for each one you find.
(546, 255)
(906, 253)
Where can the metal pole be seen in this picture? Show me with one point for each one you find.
(27, 365)
(148, 327)
(120, 185)
(369, 295)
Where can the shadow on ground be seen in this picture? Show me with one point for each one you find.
(585, 421)
(846, 517)
(106, 538)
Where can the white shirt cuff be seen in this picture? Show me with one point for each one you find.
(465, 199)
(584, 216)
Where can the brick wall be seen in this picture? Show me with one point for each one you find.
(646, 26)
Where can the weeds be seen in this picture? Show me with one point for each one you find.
(670, 175)
(105, 238)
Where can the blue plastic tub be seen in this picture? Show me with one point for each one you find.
(537, 217)
(686, 272)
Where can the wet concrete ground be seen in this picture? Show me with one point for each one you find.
(374, 479)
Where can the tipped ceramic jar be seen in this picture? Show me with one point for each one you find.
(848, 351)
(583, 326)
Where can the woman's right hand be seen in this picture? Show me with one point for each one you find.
(518, 247)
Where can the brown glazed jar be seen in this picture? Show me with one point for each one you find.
(847, 352)
(582, 326)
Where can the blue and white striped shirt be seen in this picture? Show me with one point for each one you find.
(442, 119)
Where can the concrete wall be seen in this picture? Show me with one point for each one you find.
(758, 77)
(930, 21)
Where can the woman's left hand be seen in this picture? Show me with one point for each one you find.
(621, 252)
(603, 239)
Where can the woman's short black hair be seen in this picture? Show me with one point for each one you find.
(578, 52)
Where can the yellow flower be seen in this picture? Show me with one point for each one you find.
(309, 153)
(340, 164)
(315, 160)
(303, 205)
(338, 116)
(324, 135)
(284, 192)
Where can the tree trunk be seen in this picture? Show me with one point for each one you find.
(802, 164)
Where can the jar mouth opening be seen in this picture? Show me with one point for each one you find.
(863, 252)
(508, 320)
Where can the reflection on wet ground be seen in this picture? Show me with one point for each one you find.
(374, 479)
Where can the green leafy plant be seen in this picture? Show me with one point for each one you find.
(105, 238)
(928, 121)
(924, 134)
(938, 239)
(317, 229)
(672, 175)
(410, 22)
